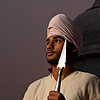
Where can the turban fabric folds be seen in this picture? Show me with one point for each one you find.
(64, 27)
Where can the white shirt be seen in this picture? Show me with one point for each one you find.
(76, 86)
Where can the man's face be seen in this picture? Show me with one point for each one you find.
(54, 48)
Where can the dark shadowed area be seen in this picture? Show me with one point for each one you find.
(23, 26)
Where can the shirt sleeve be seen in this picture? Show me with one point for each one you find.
(32, 91)
(98, 94)
(27, 95)
(94, 89)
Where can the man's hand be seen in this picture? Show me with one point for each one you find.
(54, 95)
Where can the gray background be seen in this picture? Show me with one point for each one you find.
(23, 26)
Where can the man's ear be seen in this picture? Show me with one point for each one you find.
(75, 50)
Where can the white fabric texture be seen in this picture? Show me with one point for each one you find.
(77, 86)
(63, 26)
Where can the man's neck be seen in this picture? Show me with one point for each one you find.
(66, 71)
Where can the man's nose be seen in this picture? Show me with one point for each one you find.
(50, 45)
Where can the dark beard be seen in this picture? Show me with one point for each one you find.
(53, 62)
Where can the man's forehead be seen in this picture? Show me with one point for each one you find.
(54, 37)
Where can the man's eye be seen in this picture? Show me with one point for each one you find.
(47, 42)
(57, 41)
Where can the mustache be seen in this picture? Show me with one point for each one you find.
(50, 51)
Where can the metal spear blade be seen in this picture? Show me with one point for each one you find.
(62, 59)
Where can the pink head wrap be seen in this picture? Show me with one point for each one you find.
(64, 27)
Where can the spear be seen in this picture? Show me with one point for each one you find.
(60, 66)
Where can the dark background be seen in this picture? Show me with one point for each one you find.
(23, 26)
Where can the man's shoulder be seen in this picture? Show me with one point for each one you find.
(39, 82)
(87, 77)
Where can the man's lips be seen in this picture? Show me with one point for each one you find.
(49, 53)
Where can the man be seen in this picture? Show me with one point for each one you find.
(75, 85)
